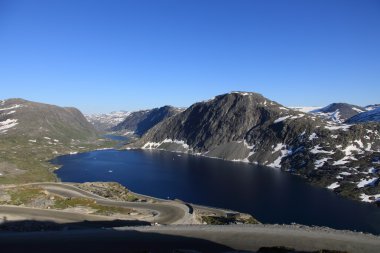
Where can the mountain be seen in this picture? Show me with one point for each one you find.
(31, 134)
(247, 127)
(106, 121)
(20, 117)
(141, 121)
(338, 112)
(372, 107)
(368, 116)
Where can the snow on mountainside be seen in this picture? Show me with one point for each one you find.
(247, 127)
(368, 116)
(106, 121)
(20, 118)
(372, 107)
(338, 112)
(305, 109)
(6, 120)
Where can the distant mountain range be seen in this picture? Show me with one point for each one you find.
(338, 112)
(136, 123)
(105, 121)
(369, 116)
(344, 113)
(247, 127)
(140, 122)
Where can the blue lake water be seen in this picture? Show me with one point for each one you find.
(268, 194)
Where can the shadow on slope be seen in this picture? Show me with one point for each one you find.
(54, 237)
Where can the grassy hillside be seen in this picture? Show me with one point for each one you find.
(32, 133)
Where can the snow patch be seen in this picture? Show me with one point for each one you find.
(9, 113)
(338, 127)
(360, 143)
(242, 93)
(369, 198)
(7, 124)
(317, 150)
(284, 152)
(319, 163)
(313, 136)
(357, 109)
(278, 147)
(155, 145)
(281, 119)
(12, 107)
(333, 186)
(366, 182)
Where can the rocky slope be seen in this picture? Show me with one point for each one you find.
(338, 112)
(106, 121)
(248, 127)
(141, 121)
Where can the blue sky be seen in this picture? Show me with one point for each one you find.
(108, 55)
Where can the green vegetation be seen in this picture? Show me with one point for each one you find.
(63, 203)
(27, 196)
(109, 190)
(220, 220)
(24, 195)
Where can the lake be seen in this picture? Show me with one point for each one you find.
(268, 194)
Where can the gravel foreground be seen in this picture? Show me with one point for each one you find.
(197, 238)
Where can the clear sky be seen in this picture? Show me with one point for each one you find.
(108, 55)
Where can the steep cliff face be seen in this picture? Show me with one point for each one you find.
(248, 127)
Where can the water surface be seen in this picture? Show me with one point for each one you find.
(268, 194)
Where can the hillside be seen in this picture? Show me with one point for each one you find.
(248, 127)
(140, 122)
(33, 133)
(364, 117)
(36, 120)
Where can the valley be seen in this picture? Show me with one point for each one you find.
(165, 152)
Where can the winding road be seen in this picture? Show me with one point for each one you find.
(167, 238)
(167, 212)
